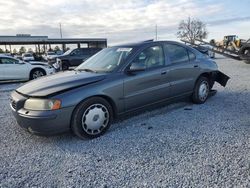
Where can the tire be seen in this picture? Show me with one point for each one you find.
(36, 73)
(245, 51)
(201, 90)
(92, 118)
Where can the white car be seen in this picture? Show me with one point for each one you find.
(15, 69)
(28, 57)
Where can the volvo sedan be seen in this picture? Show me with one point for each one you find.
(115, 81)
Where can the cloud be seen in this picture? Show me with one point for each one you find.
(119, 21)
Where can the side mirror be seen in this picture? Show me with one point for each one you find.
(135, 67)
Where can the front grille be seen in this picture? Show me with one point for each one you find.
(13, 103)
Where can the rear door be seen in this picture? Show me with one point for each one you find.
(148, 86)
(183, 69)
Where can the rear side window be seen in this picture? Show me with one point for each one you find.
(192, 56)
(76, 52)
(176, 53)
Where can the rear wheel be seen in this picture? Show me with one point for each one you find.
(36, 73)
(201, 90)
(92, 118)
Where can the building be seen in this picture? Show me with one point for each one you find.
(43, 43)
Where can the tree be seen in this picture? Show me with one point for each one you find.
(192, 29)
(14, 51)
(1, 50)
(22, 50)
(30, 50)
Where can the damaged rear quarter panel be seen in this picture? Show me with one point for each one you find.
(221, 78)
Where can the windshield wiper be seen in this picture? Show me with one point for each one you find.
(87, 70)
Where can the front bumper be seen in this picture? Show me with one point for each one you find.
(40, 122)
(50, 71)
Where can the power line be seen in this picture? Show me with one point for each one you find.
(60, 25)
(156, 33)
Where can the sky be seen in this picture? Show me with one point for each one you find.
(122, 21)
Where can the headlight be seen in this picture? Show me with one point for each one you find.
(42, 104)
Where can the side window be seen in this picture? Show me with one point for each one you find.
(151, 57)
(8, 61)
(176, 53)
(191, 55)
(76, 52)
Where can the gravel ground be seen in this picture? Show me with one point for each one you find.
(180, 145)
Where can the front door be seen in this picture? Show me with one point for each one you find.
(149, 86)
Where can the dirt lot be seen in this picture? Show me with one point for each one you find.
(180, 145)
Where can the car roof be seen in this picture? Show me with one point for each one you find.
(148, 42)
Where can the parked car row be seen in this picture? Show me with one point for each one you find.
(72, 58)
(26, 68)
(59, 61)
(16, 69)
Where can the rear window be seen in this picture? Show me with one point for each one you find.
(176, 53)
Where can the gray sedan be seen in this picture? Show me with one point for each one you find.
(114, 82)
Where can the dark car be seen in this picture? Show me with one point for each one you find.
(75, 57)
(114, 82)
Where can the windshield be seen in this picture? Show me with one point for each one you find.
(68, 52)
(106, 60)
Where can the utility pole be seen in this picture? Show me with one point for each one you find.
(60, 29)
(156, 32)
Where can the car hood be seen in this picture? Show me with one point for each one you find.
(60, 82)
(37, 63)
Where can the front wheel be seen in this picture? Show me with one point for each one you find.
(92, 118)
(201, 90)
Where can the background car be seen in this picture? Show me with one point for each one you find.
(205, 49)
(15, 69)
(28, 57)
(49, 55)
(75, 57)
(115, 81)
